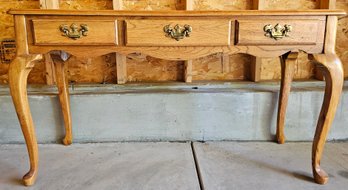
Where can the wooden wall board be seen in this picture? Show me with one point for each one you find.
(97, 70)
(222, 4)
(142, 68)
(270, 68)
(86, 4)
(290, 4)
(211, 68)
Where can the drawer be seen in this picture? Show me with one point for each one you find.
(178, 32)
(278, 32)
(75, 32)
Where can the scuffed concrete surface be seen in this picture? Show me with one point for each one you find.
(265, 166)
(133, 166)
(169, 166)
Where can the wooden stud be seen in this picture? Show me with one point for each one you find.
(225, 61)
(121, 60)
(258, 4)
(121, 65)
(49, 66)
(255, 66)
(188, 63)
(49, 4)
(326, 4)
(288, 67)
(117, 4)
(255, 69)
(188, 71)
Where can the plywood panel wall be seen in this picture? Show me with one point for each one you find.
(142, 68)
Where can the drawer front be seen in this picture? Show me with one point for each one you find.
(178, 32)
(75, 32)
(277, 32)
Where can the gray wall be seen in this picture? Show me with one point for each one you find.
(177, 112)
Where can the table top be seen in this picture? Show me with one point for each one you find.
(177, 13)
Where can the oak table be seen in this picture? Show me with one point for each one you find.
(176, 35)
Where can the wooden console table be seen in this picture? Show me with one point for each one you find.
(176, 35)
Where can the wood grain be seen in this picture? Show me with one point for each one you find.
(49, 66)
(46, 32)
(63, 94)
(250, 32)
(150, 33)
(333, 73)
(288, 62)
(121, 60)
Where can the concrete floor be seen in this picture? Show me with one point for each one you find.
(217, 165)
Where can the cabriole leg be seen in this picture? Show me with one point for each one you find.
(63, 94)
(18, 74)
(288, 62)
(333, 73)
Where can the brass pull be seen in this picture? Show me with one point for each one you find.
(277, 32)
(178, 32)
(74, 32)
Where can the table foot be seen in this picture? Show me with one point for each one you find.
(320, 176)
(333, 73)
(288, 62)
(30, 178)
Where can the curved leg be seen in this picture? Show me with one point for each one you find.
(18, 74)
(333, 73)
(63, 94)
(288, 66)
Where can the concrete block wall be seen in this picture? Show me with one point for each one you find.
(177, 112)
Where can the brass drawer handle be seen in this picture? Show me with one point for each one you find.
(178, 32)
(74, 32)
(277, 32)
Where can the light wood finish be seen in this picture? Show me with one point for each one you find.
(63, 94)
(46, 32)
(324, 54)
(18, 74)
(288, 62)
(255, 64)
(19, 70)
(117, 4)
(121, 60)
(333, 73)
(49, 67)
(150, 33)
(325, 4)
(178, 13)
(49, 4)
(189, 63)
(255, 69)
(188, 71)
(251, 32)
(225, 61)
(56, 71)
(121, 68)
